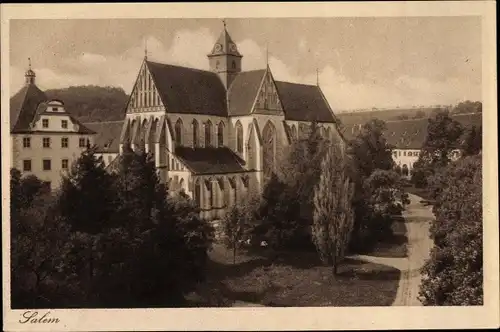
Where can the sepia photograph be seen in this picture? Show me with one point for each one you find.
(154, 160)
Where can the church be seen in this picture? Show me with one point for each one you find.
(217, 135)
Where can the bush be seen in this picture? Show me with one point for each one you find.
(454, 273)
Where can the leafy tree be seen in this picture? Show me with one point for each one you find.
(443, 136)
(136, 187)
(454, 273)
(41, 275)
(333, 216)
(236, 227)
(157, 248)
(468, 107)
(473, 141)
(86, 197)
(275, 224)
(370, 149)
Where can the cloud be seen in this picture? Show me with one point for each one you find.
(190, 47)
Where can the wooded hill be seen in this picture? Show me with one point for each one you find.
(92, 103)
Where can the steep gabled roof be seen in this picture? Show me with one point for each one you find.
(303, 102)
(23, 106)
(108, 135)
(188, 90)
(243, 91)
(210, 160)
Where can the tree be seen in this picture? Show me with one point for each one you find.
(236, 227)
(473, 141)
(370, 149)
(41, 274)
(86, 203)
(443, 136)
(333, 216)
(454, 273)
(86, 197)
(274, 222)
(156, 250)
(369, 152)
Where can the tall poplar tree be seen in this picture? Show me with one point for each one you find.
(333, 215)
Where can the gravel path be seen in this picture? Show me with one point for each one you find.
(418, 219)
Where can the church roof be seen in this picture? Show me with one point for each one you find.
(243, 91)
(210, 160)
(303, 102)
(188, 90)
(23, 107)
(107, 138)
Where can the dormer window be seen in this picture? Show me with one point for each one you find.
(45, 123)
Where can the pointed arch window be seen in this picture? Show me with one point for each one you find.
(208, 133)
(195, 134)
(178, 131)
(239, 137)
(220, 135)
(197, 192)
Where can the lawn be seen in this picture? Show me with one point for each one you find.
(292, 279)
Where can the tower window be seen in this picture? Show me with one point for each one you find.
(64, 124)
(217, 64)
(45, 123)
(234, 64)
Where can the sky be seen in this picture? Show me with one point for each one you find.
(361, 62)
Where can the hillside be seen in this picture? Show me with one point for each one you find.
(399, 114)
(92, 103)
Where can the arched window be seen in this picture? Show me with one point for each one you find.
(197, 193)
(178, 131)
(220, 135)
(208, 133)
(195, 134)
(294, 132)
(269, 149)
(239, 137)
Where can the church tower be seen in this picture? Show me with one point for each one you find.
(29, 75)
(225, 60)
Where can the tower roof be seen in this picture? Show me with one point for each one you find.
(23, 106)
(225, 45)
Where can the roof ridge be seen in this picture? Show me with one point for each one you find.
(179, 66)
(303, 84)
(110, 121)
